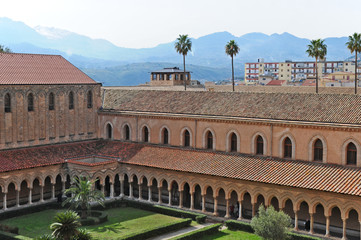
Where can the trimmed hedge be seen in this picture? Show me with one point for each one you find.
(237, 225)
(165, 228)
(11, 236)
(295, 236)
(27, 210)
(9, 229)
(209, 230)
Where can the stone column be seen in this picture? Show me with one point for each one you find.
(121, 188)
(327, 226)
(30, 197)
(17, 198)
(215, 207)
(253, 209)
(4, 202)
(53, 191)
(170, 197)
(296, 220)
(311, 223)
(204, 203)
(149, 193)
(240, 210)
(111, 190)
(344, 229)
(63, 188)
(102, 189)
(159, 195)
(227, 209)
(130, 190)
(360, 228)
(192, 201)
(41, 193)
(140, 191)
(180, 199)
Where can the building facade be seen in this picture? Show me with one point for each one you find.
(169, 77)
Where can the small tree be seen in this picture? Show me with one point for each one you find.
(66, 225)
(231, 50)
(318, 50)
(270, 224)
(183, 46)
(5, 49)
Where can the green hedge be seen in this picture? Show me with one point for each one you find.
(165, 228)
(209, 230)
(237, 225)
(10, 213)
(12, 236)
(295, 236)
(200, 218)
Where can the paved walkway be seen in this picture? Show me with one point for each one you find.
(180, 232)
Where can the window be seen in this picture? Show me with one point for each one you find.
(287, 148)
(30, 102)
(233, 142)
(7, 103)
(51, 101)
(318, 151)
(90, 99)
(109, 131)
(126, 132)
(181, 77)
(351, 154)
(259, 145)
(145, 134)
(71, 100)
(165, 136)
(187, 138)
(209, 140)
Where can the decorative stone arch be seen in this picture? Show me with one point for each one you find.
(254, 143)
(299, 200)
(284, 197)
(141, 132)
(106, 134)
(311, 148)
(204, 138)
(241, 194)
(7, 186)
(204, 189)
(350, 207)
(170, 183)
(344, 151)
(282, 147)
(40, 179)
(182, 137)
(228, 140)
(269, 195)
(100, 176)
(51, 176)
(332, 205)
(315, 202)
(229, 192)
(123, 131)
(193, 187)
(160, 182)
(150, 181)
(109, 174)
(161, 132)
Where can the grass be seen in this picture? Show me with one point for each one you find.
(121, 221)
(232, 235)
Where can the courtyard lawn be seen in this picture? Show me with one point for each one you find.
(121, 222)
(232, 235)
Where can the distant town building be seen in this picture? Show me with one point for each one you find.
(169, 77)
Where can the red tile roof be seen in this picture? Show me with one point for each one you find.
(300, 174)
(309, 82)
(276, 83)
(18, 68)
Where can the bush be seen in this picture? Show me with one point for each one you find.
(270, 224)
(295, 236)
(31, 209)
(237, 225)
(201, 219)
(148, 233)
(209, 230)
(9, 229)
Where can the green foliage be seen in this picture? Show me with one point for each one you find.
(45, 237)
(209, 230)
(83, 234)
(317, 49)
(270, 224)
(237, 225)
(183, 45)
(5, 49)
(232, 48)
(354, 45)
(83, 194)
(295, 236)
(66, 225)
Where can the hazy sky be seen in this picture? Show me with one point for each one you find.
(146, 23)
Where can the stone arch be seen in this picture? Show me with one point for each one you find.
(194, 185)
(141, 133)
(316, 201)
(350, 207)
(108, 130)
(182, 137)
(162, 138)
(335, 204)
(124, 134)
(344, 151)
(229, 140)
(282, 147)
(311, 148)
(254, 143)
(204, 138)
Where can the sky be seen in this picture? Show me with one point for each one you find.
(147, 23)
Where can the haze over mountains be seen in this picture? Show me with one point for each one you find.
(113, 65)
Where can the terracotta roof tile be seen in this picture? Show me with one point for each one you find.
(18, 68)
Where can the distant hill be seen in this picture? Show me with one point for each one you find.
(97, 56)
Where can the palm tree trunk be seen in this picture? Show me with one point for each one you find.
(316, 76)
(83, 211)
(232, 75)
(184, 68)
(356, 73)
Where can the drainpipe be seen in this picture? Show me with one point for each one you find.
(271, 141)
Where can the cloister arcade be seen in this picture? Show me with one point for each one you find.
(328, 215)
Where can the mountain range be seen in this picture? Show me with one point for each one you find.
(110, 64)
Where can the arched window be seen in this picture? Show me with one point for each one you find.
(233, 142)
(187, 138)
(318, 151)
(209, 140)
(7, 102)
(71, 100)
(259, 145)
(30, 102)
(51, 101)
(90, 99)
(165, 136)
(145, 134)
(351, 154)
(287, 148)
(109, 131)
(126, 132)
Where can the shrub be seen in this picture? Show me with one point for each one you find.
(45, 237)
(270, 224)
(237, 225)
(201, 219)
(9, 229)
(295, 236)
(209, 230)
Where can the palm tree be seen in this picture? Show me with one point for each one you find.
(231, 50)
(354, 45)
(182, 46)
(66, 225)
(318, 50)
(82, 194)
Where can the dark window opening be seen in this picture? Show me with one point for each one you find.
(187, 138)
(287, 148)
(90, 99)
(165, 136)
(7, 103)
(351, 154)
(127, 132)
(109, 131)
(30, 102)
(71, 100)
(233, 142)
(51, 101)
(209, 140)
(145, 134)
(318, 151)
(259, 145)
